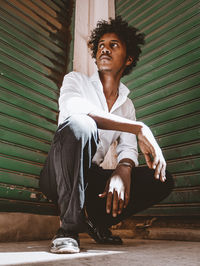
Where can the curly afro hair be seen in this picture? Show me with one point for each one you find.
(128, 34)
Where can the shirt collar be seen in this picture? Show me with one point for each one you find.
(123, 90)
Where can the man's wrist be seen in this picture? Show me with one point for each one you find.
(127, 163)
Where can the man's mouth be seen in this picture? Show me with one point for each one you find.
(107, 57)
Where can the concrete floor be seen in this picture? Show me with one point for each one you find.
(133, 252)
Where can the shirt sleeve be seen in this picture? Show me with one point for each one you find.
(127, 143)
(72, 99)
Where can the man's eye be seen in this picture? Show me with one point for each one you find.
(101, 45)
(114, 45)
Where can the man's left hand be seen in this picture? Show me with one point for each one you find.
(117, 190)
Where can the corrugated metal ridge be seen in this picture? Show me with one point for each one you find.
(167, 90)
(168, 96)
(26, 81)
(170, 101)
(57, 4)
(22, 151)
(189, 179)
(26, 49)
(36, 108)
(126, 6)
(24, 58)
(50, 56)
(28, 93)
(26, 16)
(178, 122)
(20, 114)
(20, 193)
(30, 43)
(167, 65)
(167, 28)
(187, 59)
(153, 13)
(20, 165)
(23, 140)
(27, 71)
(41, 15)
(7, 205)
(161, 13)
(182, 32)
(27, 128)
(181, 109)
(176, 205)
(169, 52)
(48, 9)
(34, 38)
(175, 16)
(183, 137)
(19, 179)
(27, 38)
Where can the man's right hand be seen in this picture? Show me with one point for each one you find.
(150, 148)
(146, 140)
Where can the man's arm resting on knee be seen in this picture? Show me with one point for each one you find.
(146, 140)
(117, 190)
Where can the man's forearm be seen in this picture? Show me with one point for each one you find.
(109, 121)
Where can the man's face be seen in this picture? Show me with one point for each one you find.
(111, 54)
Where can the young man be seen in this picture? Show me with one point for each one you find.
(95, 112)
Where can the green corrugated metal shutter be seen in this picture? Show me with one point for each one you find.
(165, 91)
(34, 43)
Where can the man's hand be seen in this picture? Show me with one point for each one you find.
(117, 190)
(150, 148)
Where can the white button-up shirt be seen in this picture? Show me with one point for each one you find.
(82, 94)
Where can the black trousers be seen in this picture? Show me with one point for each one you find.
(72, 181)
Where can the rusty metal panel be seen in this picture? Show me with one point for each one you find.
(165, 91)
(34, 48)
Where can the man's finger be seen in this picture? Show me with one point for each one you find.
(155, 162)
(109, 202)
(157, 174)
(115, 203)
(126, 200)
(103, 195)
(121, 202)
(148, 160)
(163, 172)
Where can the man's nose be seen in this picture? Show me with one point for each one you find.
(105, 50)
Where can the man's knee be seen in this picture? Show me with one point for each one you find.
(81, 126)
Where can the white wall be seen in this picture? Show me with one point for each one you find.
(87, 13)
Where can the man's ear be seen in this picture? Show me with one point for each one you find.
(129, 61)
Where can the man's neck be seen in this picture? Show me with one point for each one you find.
(110, 84)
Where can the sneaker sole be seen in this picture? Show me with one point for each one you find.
(64, 250)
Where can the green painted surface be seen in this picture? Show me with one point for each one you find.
(20, 179)
(27, 116)
(28, 93)
(19, 165)
(9, 122)
(165, 89)
(7, 205)
(19, 101)
(18, 77)
(33, 53)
